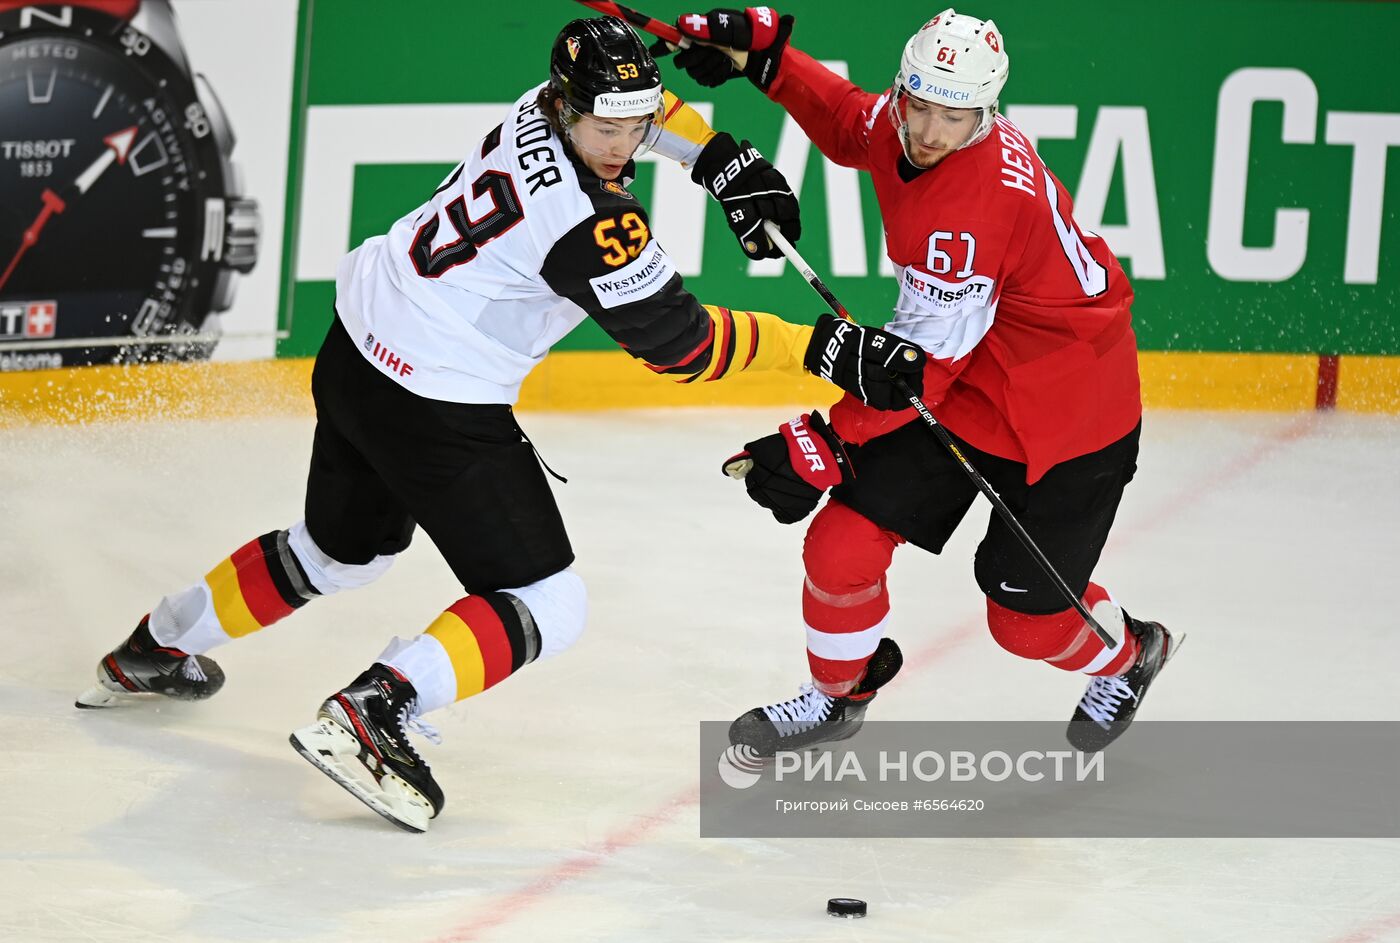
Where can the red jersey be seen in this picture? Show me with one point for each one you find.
(1025, 317)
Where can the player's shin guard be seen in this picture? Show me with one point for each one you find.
(481, 640)
(262, 582)
(1064, 639)
(843, 631)
(845, 603)
(486, 638)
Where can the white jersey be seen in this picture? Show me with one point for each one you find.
(466, 294)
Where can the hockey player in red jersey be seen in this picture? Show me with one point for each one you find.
(1032, 366)
(438, 322)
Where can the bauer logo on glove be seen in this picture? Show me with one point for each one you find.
(789, 471)
(751, 191)
(731, 170)
(815, 461)
(879, 367)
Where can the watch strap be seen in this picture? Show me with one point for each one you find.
(121, 9)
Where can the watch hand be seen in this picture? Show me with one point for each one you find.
(52, 204)
(118, 148)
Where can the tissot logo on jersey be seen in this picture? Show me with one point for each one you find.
(31, 320)
(929, 291)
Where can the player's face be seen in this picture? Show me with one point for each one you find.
(934, 132)
(605, 145)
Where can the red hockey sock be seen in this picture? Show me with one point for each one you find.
(1064, 639)
(845, 603)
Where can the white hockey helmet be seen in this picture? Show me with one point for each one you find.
(956, 61)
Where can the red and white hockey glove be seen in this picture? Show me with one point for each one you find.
(789, 471)
(758, 30)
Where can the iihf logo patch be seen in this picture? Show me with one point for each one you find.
(571, 44)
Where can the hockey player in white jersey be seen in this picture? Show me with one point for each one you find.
(438, 323)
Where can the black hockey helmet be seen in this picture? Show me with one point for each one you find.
(601, 67)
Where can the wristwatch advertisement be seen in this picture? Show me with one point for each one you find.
(122, 219)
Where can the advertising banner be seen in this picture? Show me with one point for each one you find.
(1232, 156)
(143, 156)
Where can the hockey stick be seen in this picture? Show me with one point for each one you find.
(1006, 515)
(641, 21)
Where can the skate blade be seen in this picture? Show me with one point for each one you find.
(332, 750)
(99, 696)
(1172, 650)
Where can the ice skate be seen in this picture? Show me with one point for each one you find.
(142, 669)
(813, 718)
(360, 740)
(1110, 702)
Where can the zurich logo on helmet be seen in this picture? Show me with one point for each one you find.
(915, 81)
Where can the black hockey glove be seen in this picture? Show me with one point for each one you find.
(865, 361)
(789, 471)
(760, 30)
(751, 190)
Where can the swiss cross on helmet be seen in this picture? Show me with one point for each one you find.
(602, 68)
(956, 61)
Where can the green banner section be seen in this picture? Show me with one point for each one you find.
(1235, 154)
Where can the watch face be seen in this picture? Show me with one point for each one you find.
(109, 182)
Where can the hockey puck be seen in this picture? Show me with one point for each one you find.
(845, 907)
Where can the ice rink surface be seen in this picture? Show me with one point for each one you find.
(571, 798)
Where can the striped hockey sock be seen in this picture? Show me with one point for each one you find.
(259, 584)
(487, 638)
